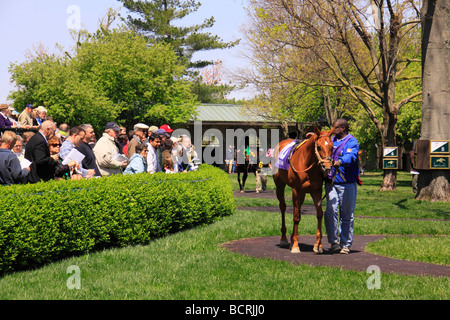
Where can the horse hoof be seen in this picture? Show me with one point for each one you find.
(242, 191)
(295, 250)
(284, 244)
(317, 249)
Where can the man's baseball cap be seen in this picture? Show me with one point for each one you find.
(112, 125)
(167, 128)
(161, 132)
(30, 106)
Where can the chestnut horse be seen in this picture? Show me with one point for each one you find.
(309, 163)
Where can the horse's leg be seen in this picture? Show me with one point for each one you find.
(238, 170)
(317, 198)
(280, 186)
(297, 198)
(244, 178)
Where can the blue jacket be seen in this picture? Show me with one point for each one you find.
(137, 164)
(349, 159)
(10, 170)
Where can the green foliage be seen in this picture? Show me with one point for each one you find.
(47, 221)
(367, 134)
(146, 82)
(113, 76)
(295, 45)
(305, 104)
(54, 82)
(209, 93)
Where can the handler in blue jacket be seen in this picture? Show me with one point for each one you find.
(341, 192)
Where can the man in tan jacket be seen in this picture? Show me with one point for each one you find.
(140, 135)
(106, 151)
(25, 119)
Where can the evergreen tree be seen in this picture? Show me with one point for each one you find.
(155, 20)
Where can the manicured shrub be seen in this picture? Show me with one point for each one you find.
(43, 222)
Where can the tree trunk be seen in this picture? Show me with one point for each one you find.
(285, 127)
(389, 140)
(388, 87)
(434, 185)
(389, 180)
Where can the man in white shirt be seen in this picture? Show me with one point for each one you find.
(154, 142)
(74, 141)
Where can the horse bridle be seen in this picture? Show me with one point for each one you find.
(321, 160)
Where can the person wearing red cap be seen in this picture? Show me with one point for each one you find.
(167, 128)
(164, 132)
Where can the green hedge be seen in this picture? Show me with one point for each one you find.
(47, 221)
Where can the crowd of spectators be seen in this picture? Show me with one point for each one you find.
(64, 152)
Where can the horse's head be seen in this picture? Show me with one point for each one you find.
(324, 149)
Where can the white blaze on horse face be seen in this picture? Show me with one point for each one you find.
(326, 143)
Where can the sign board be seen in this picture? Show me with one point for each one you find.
(439, 146)
(439, 162)
(390, 163)
(390, 152)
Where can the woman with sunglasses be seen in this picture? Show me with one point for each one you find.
(61, 170)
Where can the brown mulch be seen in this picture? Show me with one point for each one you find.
(358, 259)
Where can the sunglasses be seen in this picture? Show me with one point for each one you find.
(55, 145)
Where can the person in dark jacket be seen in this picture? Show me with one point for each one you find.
(89, 156)
(38, 152)
(4, 120)
(65, 171)
(11, 171)
(341, 189)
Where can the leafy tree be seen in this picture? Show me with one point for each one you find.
(155, 20)
(333, 44)
(110, 75)
(144, 81)
(50, 80)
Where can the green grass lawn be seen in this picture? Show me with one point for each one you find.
(194, 265)
(370, 201)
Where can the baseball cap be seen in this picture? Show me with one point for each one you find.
(162, 132)
(167, 128)
(153, 128)
(30, 106)
(112, 125)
